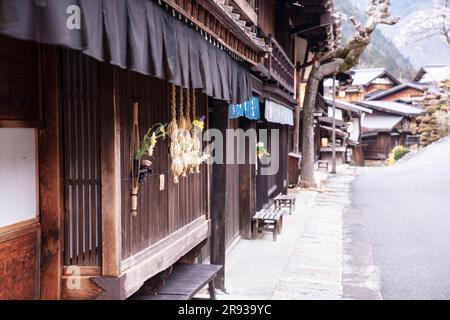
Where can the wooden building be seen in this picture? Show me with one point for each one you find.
(67, 102)
(390, 124)
(239, 191)
(405, 91)
(349, 119)
(364, 84)
(77, 77)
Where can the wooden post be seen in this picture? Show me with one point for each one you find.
(110, 174)
(247, 189)
(333, 159)
(297, 112)
(50, 183)
(218, 199)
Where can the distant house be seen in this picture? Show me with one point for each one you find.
(403, 91)
(348, 132)
(365, 82)
(390, 124)
(433, 74)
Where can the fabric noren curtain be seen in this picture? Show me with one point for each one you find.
(138, 35)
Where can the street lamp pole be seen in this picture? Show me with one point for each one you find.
(333, 159)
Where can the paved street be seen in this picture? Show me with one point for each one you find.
(404, 211)
(316, 256)
(383, 235)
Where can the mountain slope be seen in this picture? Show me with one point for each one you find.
(382, 52)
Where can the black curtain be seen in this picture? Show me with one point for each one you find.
(138, 35)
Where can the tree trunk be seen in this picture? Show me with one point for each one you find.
(318, 73)
(307, 173)
(341, 60)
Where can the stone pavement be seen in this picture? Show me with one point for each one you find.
(318, 255)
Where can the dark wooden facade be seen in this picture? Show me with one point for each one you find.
(81, 110)
(407, 93)
(379, 146)
(270, 186)
(76, 184)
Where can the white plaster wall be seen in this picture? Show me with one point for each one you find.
(18, 176)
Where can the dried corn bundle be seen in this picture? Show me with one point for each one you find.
(176, 166)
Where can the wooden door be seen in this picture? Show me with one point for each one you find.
(81, 159)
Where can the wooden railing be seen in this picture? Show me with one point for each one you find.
(280, 66)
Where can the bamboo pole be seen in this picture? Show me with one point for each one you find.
(135, 164)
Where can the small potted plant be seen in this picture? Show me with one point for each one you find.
(261, 150)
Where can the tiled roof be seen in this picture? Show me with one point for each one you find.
(363, 77)
(348, 106)
(386, 93)
(433, 73)
(396, 108)
(380, 123)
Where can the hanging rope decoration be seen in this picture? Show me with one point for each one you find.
(185, 132)
(190, 156)
(175, 149)
(194, 106)
(172, 128)
(184, 135)
(188, 110)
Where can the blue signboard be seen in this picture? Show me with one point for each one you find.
(248, 109)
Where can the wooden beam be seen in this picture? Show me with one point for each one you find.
(305, 29)
(218, 198)
(110, 174)
(80, 286)
(247, 188)
(144, 265)
(50, 181)
(20, 124)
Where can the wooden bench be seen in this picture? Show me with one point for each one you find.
(285, 201)
(323, 164)
(270, 219)
(184, 282)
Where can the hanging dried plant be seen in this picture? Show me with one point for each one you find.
(175, 150)
(148, 143)
(184, 135)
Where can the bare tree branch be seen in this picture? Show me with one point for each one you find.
(430, 22)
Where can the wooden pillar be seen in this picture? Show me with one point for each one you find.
(50, 182)
(284, 159)
(247, 188)
(218, 200)
(297, 112)
(110, 174)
